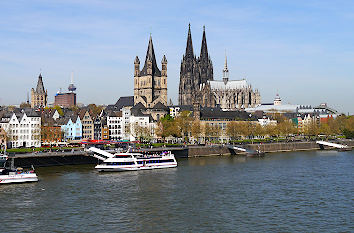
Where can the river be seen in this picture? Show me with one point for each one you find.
(283, 192)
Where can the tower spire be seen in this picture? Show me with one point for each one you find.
(225, 66)
(225, 72)
(189, 47)
(204, 49)
(150, 57)
(40, 86)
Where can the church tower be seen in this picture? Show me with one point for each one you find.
(150, 84)
(189, 76)
(204, 62)
(39, 96)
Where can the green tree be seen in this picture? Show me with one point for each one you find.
(184, 122)
(60, 111)
(196, 129)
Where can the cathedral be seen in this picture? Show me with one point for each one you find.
(39, 96)
(194, 72)
(197, 84)
(150, 83)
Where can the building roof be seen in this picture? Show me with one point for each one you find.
(217, 113)
(124, 101)
(274, 108)
(138, 106)
(160, 106)
(233, 84)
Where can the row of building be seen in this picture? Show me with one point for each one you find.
(213, 102)
(125, 121)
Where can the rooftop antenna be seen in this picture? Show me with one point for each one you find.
(72, 77)
(72, 87)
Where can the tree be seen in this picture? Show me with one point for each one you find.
(325, 129)
(286, 128)
(25, 105)
(311, 129)
(60, 111)
(167, 127)
(95, 109)
(184, 122)
(196, 130)
(232, 130)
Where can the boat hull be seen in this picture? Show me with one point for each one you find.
(104, 168)
(18, 178)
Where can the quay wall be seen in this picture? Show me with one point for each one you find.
(52, 159)
(81, 157)
(292, 146)
(208, 151)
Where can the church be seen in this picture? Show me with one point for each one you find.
(197, 84)
(150, 83)
(39, 95)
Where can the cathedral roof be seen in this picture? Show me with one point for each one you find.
(234, 84)
(150, 56)
(40, 86)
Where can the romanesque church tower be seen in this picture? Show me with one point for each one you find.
(150, 84)
(194, 72)
(39, 96)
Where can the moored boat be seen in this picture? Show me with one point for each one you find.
(19, 175)
(133, 161)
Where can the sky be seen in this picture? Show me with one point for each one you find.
(303, 50)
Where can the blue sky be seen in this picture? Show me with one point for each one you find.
(302, 49)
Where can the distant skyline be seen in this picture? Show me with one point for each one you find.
(303, 50)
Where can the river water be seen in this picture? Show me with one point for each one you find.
(283, 192)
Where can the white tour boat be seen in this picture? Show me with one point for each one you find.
(8, 176)
(132, 161)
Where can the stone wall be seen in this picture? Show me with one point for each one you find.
(208, 151)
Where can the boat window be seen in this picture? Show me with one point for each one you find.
(120, 163)
(167, 161)
(123, 156)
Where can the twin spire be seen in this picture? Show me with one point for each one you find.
(189, 47)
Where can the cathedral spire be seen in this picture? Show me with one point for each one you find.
(189, 47)
(225, 72)
(150, 57)
(204, 49)
(225, 66)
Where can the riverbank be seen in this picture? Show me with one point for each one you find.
(82, 157)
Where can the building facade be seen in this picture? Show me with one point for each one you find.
(65, 100)
(22, 129)
(39, 95)
(87, 125)
(72, 128)
(115, 125)
(150, 83)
